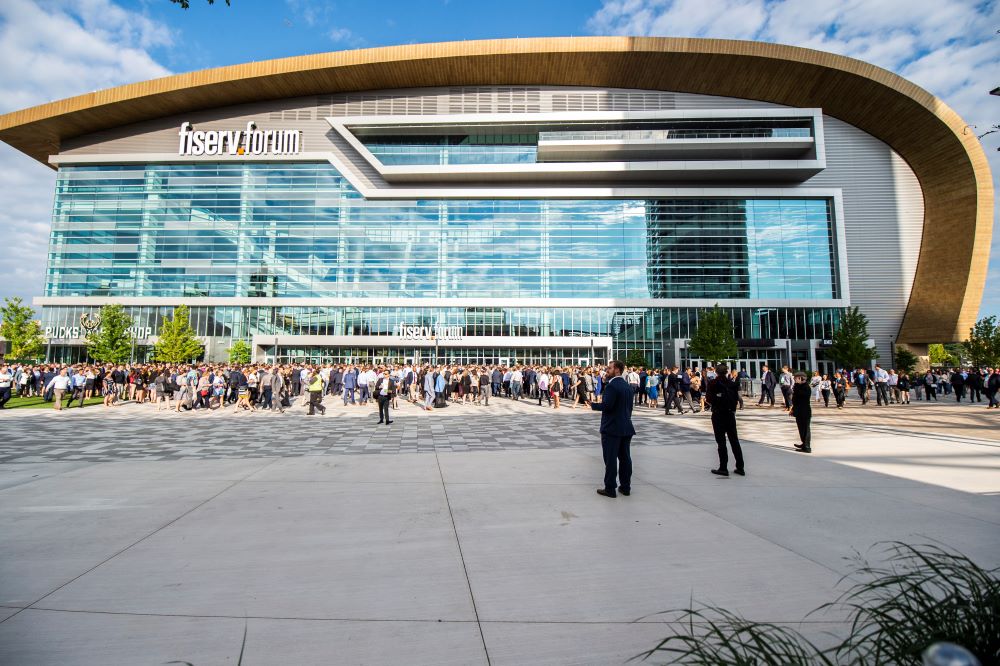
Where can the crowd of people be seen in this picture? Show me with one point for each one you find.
(676, 390)
(717, 390)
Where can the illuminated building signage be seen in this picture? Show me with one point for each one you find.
(251, 141)
(404, 332)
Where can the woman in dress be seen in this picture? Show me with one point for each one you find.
(904, 388)
(110, 392)
(555, 387)
(465, 386)
(580, 391)
(653, 388)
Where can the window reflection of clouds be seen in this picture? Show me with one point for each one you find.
(311, 234)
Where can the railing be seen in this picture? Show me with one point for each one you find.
(673, 134)
(416, 154)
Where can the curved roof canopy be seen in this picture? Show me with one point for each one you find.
(948, 161)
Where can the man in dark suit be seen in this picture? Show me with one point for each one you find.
(673, 398)
(723, 395)
(767, 384)
(616, 431)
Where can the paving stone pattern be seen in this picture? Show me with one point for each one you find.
(140, 433)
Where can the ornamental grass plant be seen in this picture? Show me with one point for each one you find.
(918, 596)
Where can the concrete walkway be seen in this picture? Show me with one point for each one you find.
(454, 553)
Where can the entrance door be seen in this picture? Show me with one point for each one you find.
(504, 361)
(751, 366)
(825, 368)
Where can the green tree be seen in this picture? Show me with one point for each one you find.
(239, 353)
(941, 357)
(23, 333)
(713, 340)
(111, 342)
(849, 346)
(636, 359)
(177, 342)
(983, 346)
(906, 360)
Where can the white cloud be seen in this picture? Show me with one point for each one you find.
(53, 49)
(310, 12)
(345, 36)
(949, 47)
(319, 14)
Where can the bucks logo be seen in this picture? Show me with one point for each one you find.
(90, 322)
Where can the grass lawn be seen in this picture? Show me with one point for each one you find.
(38, 403)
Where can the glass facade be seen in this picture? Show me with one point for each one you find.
(301, 230)
(297, 230)
(643, 329)
(439, 149)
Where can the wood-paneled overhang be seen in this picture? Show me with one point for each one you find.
(946, 158)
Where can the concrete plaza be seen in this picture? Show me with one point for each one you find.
(470, 535)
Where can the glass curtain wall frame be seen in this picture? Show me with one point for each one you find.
(300, 230)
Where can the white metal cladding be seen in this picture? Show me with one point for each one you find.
(308, 113)
(883, 223)
(882, 201)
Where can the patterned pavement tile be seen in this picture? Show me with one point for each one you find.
(140, 432)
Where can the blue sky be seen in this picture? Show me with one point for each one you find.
(208, 36)
(50, 49)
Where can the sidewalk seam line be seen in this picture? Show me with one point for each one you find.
(461, 555)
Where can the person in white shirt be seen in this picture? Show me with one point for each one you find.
(543, 386)
(892, 382)
(632, 377)
(824, 390)
(59, 385)
(304, 376)
(881, 378)
(78, 382)
(6, 381)
(325, 376)
(515, 383)
(814, 383)
(363, 381)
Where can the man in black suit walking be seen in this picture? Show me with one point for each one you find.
(616, 431)
(767, 384)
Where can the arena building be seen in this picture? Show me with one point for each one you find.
(555, 200)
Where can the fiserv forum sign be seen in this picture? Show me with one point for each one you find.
(251, 141)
